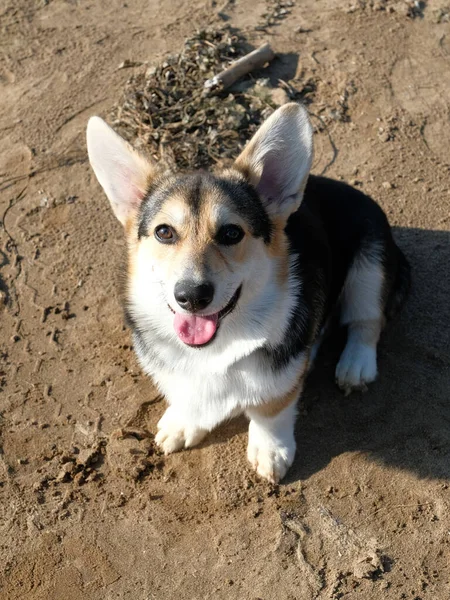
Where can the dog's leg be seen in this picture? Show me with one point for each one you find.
(186, 423)
(271, 442)
(362, 312)
(358, 363)
(177, 431)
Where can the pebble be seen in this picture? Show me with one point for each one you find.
(366, 566)
(87, 455)
(66, 471)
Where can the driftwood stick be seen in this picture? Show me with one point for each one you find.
(255, 60)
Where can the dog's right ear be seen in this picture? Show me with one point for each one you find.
(121, 171)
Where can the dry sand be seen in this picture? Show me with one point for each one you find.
(88, 508)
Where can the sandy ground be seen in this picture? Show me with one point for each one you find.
(88, 508)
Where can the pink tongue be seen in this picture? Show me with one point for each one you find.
(195, 330)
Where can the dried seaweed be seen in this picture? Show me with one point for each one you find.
(166, 111)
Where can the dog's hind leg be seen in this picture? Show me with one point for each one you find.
(362, 312)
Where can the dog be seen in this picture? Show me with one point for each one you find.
(233, 277)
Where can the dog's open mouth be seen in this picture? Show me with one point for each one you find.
(199, 330)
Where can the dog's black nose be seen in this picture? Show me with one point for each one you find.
(192, 296)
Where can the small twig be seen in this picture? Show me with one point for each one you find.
(11, 204)
(250, 62)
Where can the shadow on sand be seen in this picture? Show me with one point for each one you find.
(403, 420)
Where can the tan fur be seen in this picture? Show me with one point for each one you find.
(279, 250)
(130, 227)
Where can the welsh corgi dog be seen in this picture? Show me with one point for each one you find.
(232, 278)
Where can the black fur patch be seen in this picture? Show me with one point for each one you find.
(308, 242)
(158, 192)
(245, 201)
(333, 225)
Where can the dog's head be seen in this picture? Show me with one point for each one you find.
(201, 245)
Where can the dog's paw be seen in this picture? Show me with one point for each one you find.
(174, 435)
(270, 459)
(356, 368)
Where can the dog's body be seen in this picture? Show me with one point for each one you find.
(232, 279)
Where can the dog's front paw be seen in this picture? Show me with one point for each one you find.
(173, 434)
(356, 368)
(270, 458)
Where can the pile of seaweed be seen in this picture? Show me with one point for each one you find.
(167, 111)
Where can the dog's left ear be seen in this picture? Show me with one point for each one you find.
(278, 159)
(121, 171)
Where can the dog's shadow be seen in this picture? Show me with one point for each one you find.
(403, 420)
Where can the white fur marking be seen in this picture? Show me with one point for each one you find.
(357, 366)
(175, 434)
(361, 311)
(361, 296)
(271, 443)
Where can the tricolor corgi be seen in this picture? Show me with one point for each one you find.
(232, 278)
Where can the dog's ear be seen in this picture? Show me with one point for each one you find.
(277, 160)
(121, 171)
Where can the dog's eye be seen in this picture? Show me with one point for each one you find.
(229, 235)
(165, 234)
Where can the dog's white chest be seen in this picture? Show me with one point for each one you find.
(212, 394)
